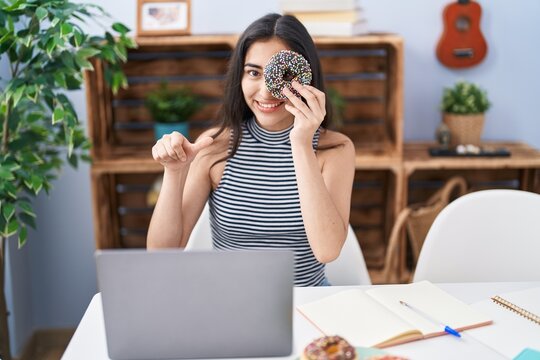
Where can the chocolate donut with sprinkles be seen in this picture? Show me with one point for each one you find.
(283, 68)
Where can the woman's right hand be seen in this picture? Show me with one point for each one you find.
(175, 152)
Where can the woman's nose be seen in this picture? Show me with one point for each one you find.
(263, 91)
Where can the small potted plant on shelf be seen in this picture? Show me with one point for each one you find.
(463, 107)
(171, 108)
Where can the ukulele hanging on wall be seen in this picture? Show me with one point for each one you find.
(462, 43)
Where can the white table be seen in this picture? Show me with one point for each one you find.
(89, 340)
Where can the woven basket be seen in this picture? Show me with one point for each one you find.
(464, 129)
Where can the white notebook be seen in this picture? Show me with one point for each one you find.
(375, 317)
(511, 331)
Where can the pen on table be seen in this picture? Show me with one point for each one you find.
(447, 328)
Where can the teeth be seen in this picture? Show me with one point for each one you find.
(269, 106)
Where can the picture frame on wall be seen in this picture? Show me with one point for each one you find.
(163, 17)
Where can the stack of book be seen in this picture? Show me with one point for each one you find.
(327, 17)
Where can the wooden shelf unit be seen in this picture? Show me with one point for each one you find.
(367, 70)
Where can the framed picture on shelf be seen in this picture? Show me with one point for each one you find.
(163, 17)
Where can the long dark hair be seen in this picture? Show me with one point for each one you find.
(288, 29)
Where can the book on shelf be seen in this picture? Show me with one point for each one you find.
(516, 321)
(317, 5)
(327, 28)
(328, 16)
(376, 318)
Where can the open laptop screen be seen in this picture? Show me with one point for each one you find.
(170, 304)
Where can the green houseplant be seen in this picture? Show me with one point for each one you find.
(47, 52)
(171, 109)
(463, 107)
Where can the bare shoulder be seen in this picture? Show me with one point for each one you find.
(220, 145)
(335, 142)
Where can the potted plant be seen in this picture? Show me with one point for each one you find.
(171, 108)
(47, 52)
(463, 108)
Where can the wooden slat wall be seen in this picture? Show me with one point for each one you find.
(132, 209)
(368, 214)
(362, 73)
(424, 183)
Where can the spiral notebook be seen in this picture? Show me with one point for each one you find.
(517, 309)
(516, 322)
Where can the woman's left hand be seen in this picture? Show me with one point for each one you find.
(307, 117)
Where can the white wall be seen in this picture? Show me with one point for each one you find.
(56, 269)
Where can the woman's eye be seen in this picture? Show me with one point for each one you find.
(253, 73)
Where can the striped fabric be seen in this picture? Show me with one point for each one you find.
(256, 204)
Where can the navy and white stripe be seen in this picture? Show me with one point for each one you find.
(256, 204)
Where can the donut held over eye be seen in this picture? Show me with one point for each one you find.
(283, 68)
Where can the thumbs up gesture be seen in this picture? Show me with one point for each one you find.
(175, 152)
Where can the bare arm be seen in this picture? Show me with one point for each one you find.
(171, 221)
(324, 196)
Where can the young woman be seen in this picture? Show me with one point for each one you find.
(274, 177)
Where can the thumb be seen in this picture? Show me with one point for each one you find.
(201, 144)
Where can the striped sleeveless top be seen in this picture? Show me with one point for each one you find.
(256, 205)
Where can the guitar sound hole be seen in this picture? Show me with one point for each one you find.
(463, 23)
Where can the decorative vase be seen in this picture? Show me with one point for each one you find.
(161, 129)
(464, 129)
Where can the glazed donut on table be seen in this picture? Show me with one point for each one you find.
(329, 348)
(284, 67)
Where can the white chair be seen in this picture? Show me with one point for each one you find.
(490, 235)
(201, 235)
(348, 269)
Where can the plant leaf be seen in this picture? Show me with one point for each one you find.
(66, 29)
(28, 220)
(120, 28)
(26, 208)
(11, 190)
(5, 174)
(60, 79)
(11, 228)
(41, 13)
(37, 183)
(18, 94)
(8, 210)
(87, 52)
(83, 63)
(23, 235)
(73, 161)
(58, 115)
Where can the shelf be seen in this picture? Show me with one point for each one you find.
(157, 41)
(416, 157)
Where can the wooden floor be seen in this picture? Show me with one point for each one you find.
(47, 344)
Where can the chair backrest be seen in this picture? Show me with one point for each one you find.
(348, 269)
(422, 216)
(201, 235)
(490, 235)
(417, 219)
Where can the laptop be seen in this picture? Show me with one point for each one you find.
(172, 304)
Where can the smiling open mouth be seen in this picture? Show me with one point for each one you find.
(272, 105)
